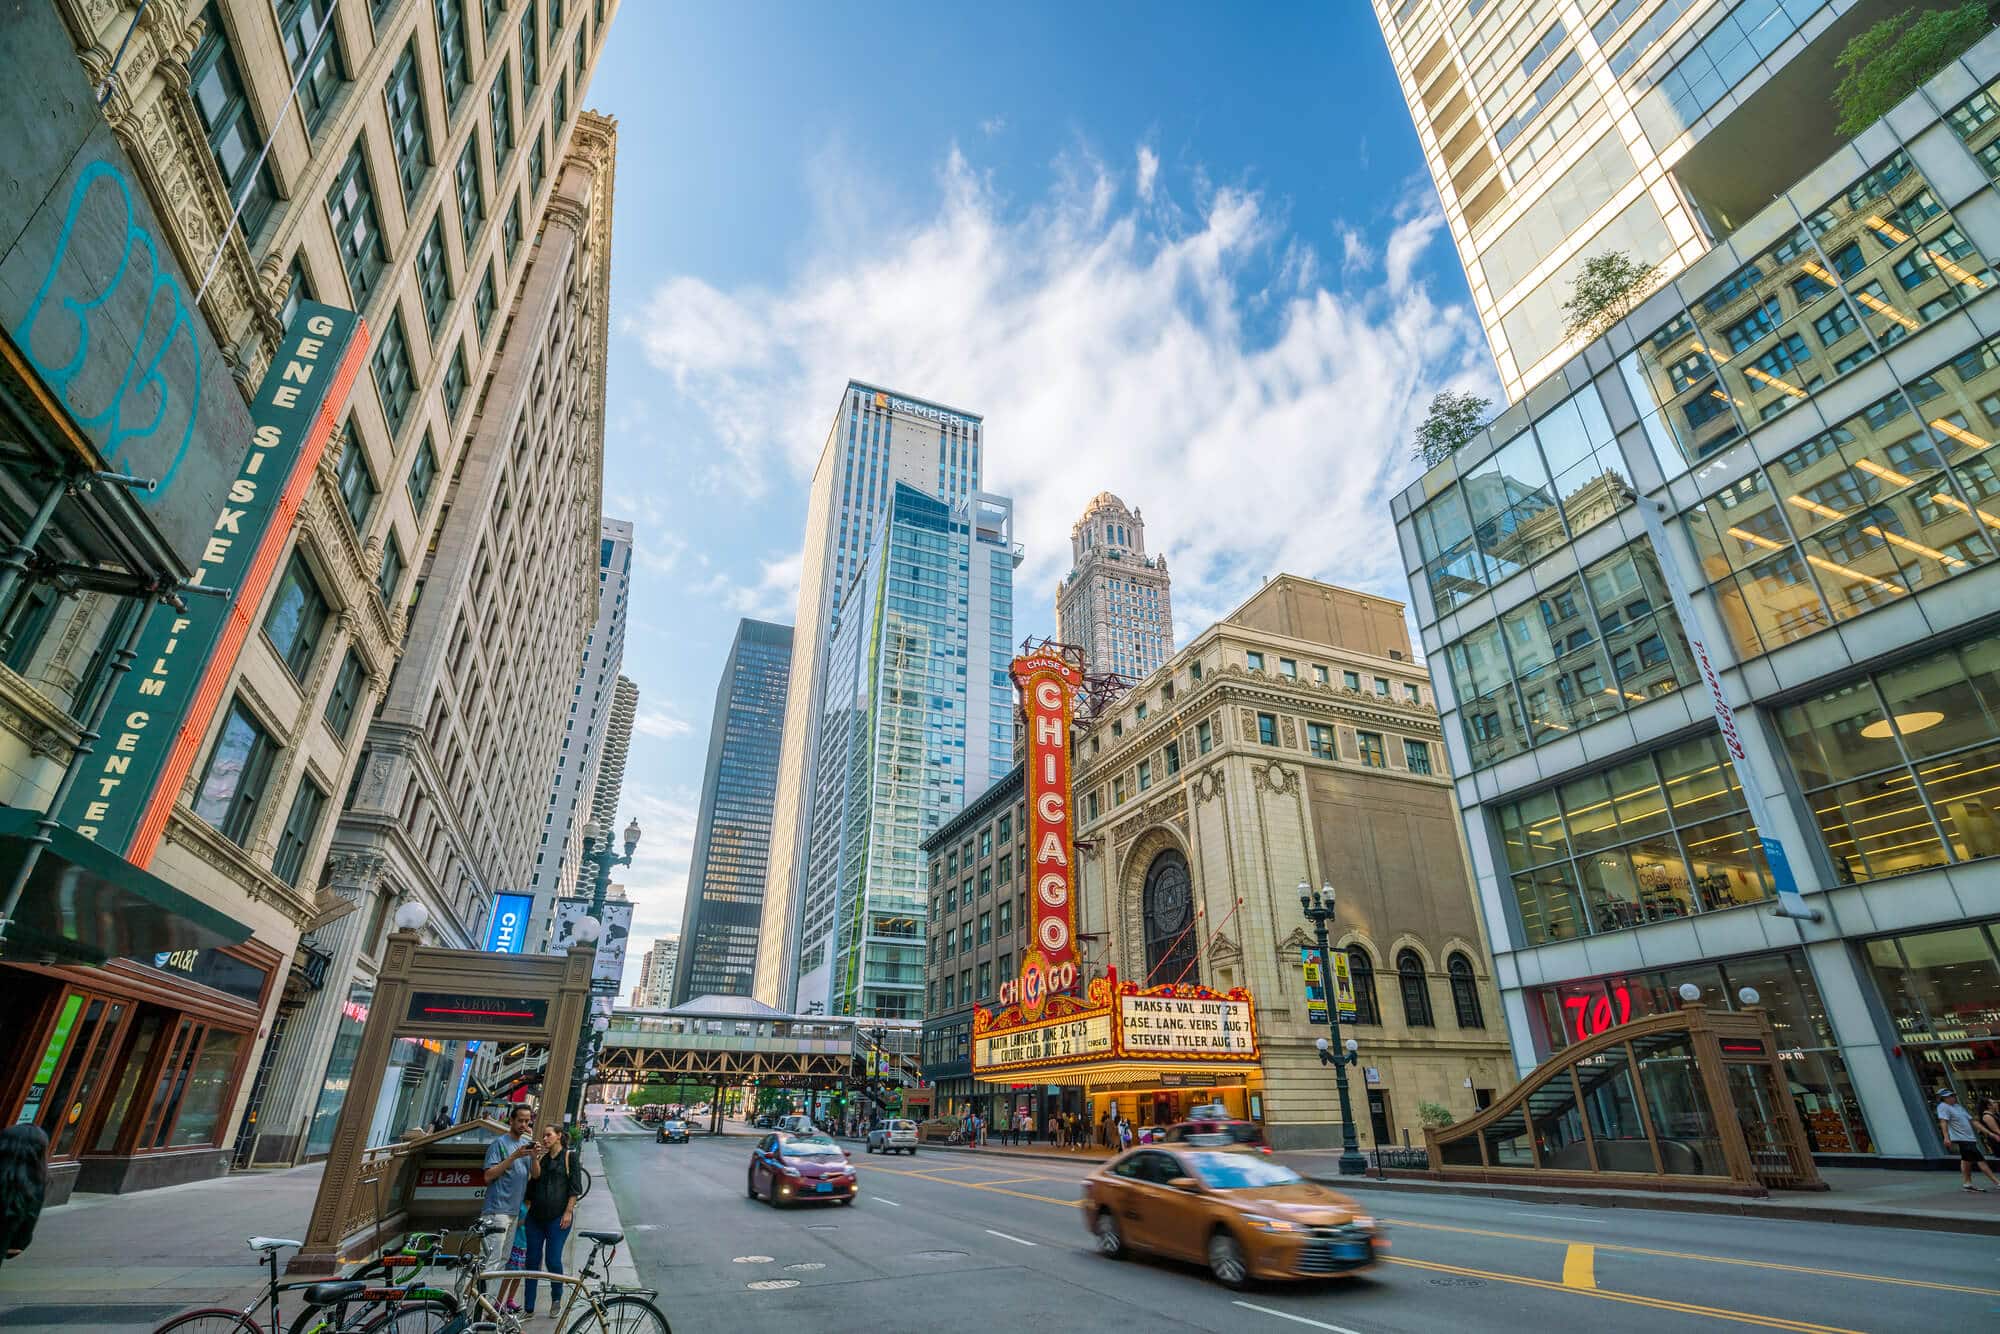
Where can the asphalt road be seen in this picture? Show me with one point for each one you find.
(947, 1242)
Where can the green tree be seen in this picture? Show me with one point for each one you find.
(1606, 289)
(1452, 420)
(1434, 1115)
(1884, 65)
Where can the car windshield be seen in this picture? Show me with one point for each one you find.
(676, 1125)
(811, 1148)
(1235, 1171)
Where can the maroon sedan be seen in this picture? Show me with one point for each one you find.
(787, 1169)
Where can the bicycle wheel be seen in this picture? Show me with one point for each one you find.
(626, 1313)
(583, 1181)
(425, 1317)
(210, 1320)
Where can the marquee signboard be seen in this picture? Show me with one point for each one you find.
(1047, 682)
(1122, 1023)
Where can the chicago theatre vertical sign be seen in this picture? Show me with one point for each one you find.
(1047, 684)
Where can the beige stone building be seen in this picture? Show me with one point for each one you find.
(436, 174)
(1294, 740)
(1116, 602)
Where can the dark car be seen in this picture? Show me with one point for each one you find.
(671, 1132)
(787, 1169)
(1217, 1133)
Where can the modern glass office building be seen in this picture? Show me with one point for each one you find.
(918, 715)
(1779, 462)
(732, 833)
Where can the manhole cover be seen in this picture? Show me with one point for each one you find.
(773, 1284)
(939, 1255)
(1458, 1282)
(751, 1260)
(804, 1268)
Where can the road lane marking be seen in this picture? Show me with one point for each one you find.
(1703, 1258)
(1006, 1181)
(1559, 1218)
(1008, 1236)
(1580, 1266)
(879, 1200)
(1287, 1315)
(1626, 1298)
(974, 1185)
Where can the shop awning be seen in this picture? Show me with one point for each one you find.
(85, 904)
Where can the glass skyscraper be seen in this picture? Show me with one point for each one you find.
(918, 714)
(732, 834)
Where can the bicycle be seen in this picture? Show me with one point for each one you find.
(392, 1318)
(611, 1309)
(418, 1252)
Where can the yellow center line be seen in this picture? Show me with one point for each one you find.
(1626, 1298)
(1706, 1259)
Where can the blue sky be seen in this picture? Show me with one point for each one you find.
(1184, 253)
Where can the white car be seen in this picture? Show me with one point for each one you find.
(893, 1137)
(797, 1124)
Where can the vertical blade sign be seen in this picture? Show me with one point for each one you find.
(1046, 683)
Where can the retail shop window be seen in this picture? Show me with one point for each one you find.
(232, 787)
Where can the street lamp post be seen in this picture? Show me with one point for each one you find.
(598, 856)
(1318, 909)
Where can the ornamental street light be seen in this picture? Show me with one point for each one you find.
(597, 854)
(1318, 908)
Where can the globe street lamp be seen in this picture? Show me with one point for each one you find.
(1318, 908)
(597, 854)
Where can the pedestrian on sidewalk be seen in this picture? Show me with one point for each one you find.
(1988, 1122)
(1055, 1131)
(1124, 1133)
(509, 1167)
(24, 1184)
(552, 1195)
(1958, 1133)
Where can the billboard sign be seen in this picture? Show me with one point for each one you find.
(1343, 987)
(1047, 682)
(617, 919)
(507, 932)
(160, 710)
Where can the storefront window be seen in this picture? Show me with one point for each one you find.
(339, 1069)
(205, 1101)
(145, 1034)
(1942, 991)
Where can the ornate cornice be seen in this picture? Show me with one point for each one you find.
(257, 884)
(33, 717)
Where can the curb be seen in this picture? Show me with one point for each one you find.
(598, 1211)
(1793, 1213)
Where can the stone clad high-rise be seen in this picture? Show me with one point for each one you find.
(1116, 602)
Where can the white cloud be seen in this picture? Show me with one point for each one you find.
(662, 723)
(1149, 171)
(774, 594)
(992, 125)
(1192, 363)
(656, 881)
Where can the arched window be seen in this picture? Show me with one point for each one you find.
(1168, 905)
(1416, 991)
(1464, 992)
(1361, 972)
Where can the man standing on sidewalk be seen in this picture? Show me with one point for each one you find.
(1956, 1124)
(507, 1170)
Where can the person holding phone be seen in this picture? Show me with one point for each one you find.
(509, 1164)
(552, 1196)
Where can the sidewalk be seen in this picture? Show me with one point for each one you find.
(126, 1262)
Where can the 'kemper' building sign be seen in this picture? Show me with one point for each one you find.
(162, 706)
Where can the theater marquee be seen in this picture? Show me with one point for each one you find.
(1117, 1024)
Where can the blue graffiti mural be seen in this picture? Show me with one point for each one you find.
(127, 412)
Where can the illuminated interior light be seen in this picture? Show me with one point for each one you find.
(1754, 540)
(1783, 386)
(1881, 307)
(1875, 469)
(1615, 691)
(1715, 355)
(1906, 544)
(1959, 433)
(1627, 796)
(1835, 567)
(1952, 271)
(1955, 503)
(1920, 721)
(1825, 512)
(1895, 235)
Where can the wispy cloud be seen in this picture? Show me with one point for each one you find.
(1185, 353)
(992, 125)
(656, 882)
(661, 723)
(773, 594)
(1149, 171)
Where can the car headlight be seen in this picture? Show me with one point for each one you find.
(1263, 1224)
(1362, 1221)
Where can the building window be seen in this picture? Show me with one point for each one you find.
(579, 57)
(300, 826)
(1382, 686)
(1173, 758)
(217, 88)
(297, 617)
(1254, 661)
(1372, 753)
(357, 488)
(1464, 992)
(531, 52)
(1118, 791)
(345, 697)
(536, 166)
(405, 98)
(986, 841)
(1145, 774)
(423, 471)
(1351, 680)
(1140, 712)
(965, 938)
(471, 196)
(500, 106)
(985, 880)
(1167, 910)
(1006, 829)
(307, 32)
(1361, 975)
(1090, 806)
(985, 980)
(232, 787)
(560, 108)
(986, 928)
(350, 205)
(483, 301)
(1204, 737)
(510, 228)
(1194, 670)
(1267, 729)
(1412, 694)
(392, 570)
(394, 383)
(1319, 738)
(1417, 755)
(1288, 668)
(433, 277)
(1006, 911)
(298, 293)
(1416, 990)
(1005, 870)
(454, 381)
(452, 51)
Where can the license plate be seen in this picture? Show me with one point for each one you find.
(824, 1188)
(1351, 1250)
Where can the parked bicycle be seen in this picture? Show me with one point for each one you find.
(388, 1308)
(598, 1305)
(406, 1270)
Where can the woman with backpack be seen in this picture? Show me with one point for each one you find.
(552, 1197)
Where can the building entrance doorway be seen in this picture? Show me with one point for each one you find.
(1379, 1121)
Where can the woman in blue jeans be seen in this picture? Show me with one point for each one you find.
(552, 1197)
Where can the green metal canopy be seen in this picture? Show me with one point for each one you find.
(85, 904)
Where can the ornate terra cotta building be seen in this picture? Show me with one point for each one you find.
(1294, 740)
